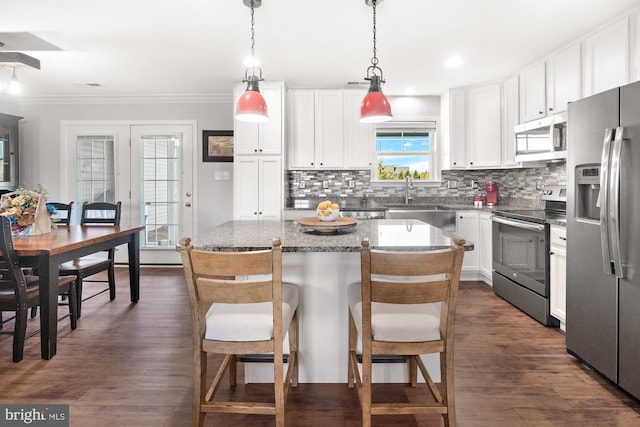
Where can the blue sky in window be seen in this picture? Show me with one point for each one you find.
(397, 144)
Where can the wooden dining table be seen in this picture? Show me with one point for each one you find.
(47, 251)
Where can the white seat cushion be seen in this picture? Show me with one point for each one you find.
(249, 322)
(397, 322)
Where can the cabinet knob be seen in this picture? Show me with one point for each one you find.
(321, 164)
(260, 213)
(550, 109)
(562, 238)
(255, 213)
(255, 151)
(261, 150)
(540, 112)
(470, 163)
(551, 253)
(311, 163)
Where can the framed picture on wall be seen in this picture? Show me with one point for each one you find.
(217, 146)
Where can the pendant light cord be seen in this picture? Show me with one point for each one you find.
(253, 33)
(374, 60)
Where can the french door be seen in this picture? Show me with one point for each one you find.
(146, 166)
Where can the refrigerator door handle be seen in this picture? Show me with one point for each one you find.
(614, 201)
(604, 201)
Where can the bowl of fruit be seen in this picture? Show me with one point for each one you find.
(328, 211)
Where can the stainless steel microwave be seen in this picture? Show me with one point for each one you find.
(542, 140)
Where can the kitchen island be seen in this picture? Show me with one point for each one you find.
(323, 266)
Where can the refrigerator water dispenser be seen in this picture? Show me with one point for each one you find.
(588, 192)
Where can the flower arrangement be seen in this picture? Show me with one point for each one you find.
(25, 208)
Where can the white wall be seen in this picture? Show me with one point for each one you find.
(40, 145)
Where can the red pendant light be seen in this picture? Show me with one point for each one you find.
(375, 105)
(251, 106)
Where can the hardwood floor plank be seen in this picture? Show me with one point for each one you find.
(130, 365)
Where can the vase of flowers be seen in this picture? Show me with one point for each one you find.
(27, 211)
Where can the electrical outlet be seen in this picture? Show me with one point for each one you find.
(474, 184)
(352, 184)
(452, 184)
(302, 184)
(325, 184)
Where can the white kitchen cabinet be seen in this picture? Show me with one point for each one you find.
(475, 127)
(607, 58)
(359, 138)
(510, 118)
(258, 183)
(467, 228)
(484, 136)
(558, 274)
(533, 103)
(485, 249)
(261, 138)
(457, 128)
(563, 83)
(316, 129)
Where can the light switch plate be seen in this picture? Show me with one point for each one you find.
(352, 184)
(325, 184)
(302, 184)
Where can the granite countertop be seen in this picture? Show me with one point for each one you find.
(387, 234)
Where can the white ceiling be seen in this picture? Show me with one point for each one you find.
(197, 47)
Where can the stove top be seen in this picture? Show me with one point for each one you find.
(555, 209)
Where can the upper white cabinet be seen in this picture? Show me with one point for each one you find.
(548, 86)
(475, 127)
(607, 58)
(533, 92)
(510, 118)
(261, 138)
(316, 129)
(484, 138)
(564, 84)
(458, 128)
(359, 137)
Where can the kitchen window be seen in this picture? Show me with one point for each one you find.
(406, 150)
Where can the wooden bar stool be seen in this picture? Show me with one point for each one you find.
(393, 312)
(240, 306)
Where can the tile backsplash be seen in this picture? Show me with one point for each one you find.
(514, 184)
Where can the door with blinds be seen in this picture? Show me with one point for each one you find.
(147, 167)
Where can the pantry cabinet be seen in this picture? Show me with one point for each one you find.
(258, 173)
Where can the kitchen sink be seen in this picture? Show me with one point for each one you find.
(417, 207)
(438, 216)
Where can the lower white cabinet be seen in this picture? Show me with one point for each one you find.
(475, 226)
(485, 249)
(558, 274)
(467, 228)
(258, 182)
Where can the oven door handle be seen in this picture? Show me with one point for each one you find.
(518, 224)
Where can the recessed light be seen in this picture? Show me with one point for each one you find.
(454, 61)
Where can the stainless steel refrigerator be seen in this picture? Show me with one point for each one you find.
(603, 234)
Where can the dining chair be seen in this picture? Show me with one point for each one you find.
(239, 306)
(62, 215)
(20, 292)
(405, 306)
(104, 214)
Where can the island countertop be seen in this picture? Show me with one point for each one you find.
(385, 234)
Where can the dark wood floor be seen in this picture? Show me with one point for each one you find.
(130, 365)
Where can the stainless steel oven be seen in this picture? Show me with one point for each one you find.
(521, 255)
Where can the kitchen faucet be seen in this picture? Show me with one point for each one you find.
(408, 183)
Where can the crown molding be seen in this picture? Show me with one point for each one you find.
(127, 99)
